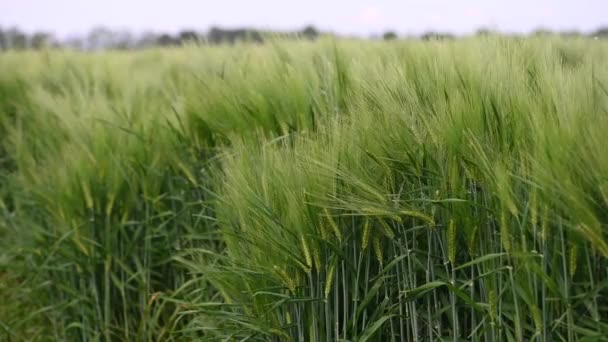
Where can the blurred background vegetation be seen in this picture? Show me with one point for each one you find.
(105, 38)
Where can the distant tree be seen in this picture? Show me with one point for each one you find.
(310, 32)
(255, 36)
(41, 40)
(166, 40)
(390, 35)
(215, 35)
(14, 39)
(602, 32)
(436, 36)
(218, 35)
(188, 36)
(484, 31)
(3, 40)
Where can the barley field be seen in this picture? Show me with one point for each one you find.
(336, 190)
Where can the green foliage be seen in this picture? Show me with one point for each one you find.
(306, 191)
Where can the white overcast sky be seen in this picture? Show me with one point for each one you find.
(68, 17)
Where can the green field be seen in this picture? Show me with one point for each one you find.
(306, 191)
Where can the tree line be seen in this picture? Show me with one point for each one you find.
(103, 38)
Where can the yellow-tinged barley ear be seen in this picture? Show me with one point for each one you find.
(316, 255)
(594, 236)
(323, 229)
(282, 334)
(452, 242)
(287, 280)
(378, 249)
(396, 218)
(386, 229)
(471, 241)
(305, 268)
(307, 255)
(544, 224)
(87, 195)
(429, 220)
(186, 172)
(366, 231)
(333, 225)
(110, 204)
(330, 278)
(493, 301)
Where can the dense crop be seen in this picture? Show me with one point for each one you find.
(326, 191)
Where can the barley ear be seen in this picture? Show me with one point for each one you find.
(316, 255)
(386, 229)
(452, 242)
(505, 231)
(307, 255)
(366, 231)
(330, 279)
(287, 280)
(544, 224)
(573, 260)
(378, 249)
(333, 225)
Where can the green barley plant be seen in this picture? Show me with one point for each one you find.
(337, 190)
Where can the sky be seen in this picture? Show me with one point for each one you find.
(353, 17)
